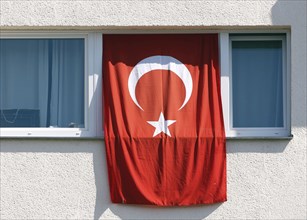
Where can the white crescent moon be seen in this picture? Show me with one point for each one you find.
(160, 63)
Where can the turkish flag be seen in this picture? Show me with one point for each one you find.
(163, 122)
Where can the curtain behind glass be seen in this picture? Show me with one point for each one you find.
(45, 76)
(257, 84)
(67, 88)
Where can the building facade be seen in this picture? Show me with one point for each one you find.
(62, 174)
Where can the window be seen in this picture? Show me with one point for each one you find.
(255, 85)
(42, 83)
(47, 85)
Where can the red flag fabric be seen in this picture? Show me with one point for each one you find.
(163, 122)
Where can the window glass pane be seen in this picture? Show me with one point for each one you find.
(257, 92)
(42, 83)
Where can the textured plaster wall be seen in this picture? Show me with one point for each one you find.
(67, 179)
(129, 13)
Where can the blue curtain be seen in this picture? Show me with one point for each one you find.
(257, 84)
(45, 76)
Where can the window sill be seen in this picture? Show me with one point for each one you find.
(290, 137)
(52, 138)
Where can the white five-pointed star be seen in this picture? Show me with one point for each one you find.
(161, 125)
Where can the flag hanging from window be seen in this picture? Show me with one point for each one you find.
(163, 122)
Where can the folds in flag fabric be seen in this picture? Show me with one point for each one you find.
(163, 122)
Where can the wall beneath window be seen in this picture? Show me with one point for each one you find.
(67, 178)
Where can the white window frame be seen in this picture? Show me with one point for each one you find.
(92, 87)
(226, 89)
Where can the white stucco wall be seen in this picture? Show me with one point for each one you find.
(67, 178)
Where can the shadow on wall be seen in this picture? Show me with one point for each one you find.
(256, 146)
(283, 14)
